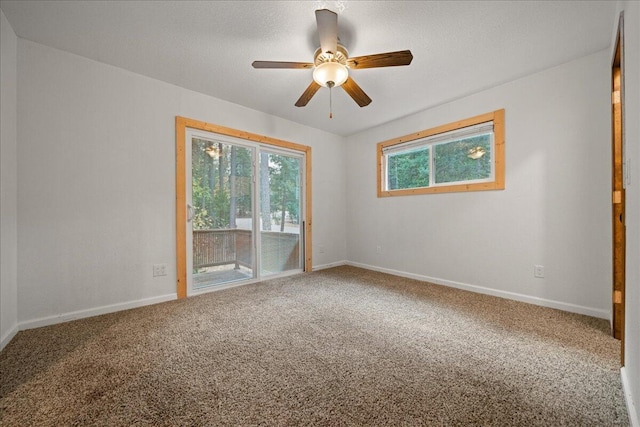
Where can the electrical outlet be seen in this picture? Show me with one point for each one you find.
(159, 270)
(378, 249)
(538, 271)
(320, 249)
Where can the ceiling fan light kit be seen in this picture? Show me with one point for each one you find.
(331, 68)
(332, 63)
(330, 74)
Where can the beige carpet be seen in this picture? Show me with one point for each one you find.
(338, 347)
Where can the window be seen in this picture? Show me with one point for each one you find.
(467, 155)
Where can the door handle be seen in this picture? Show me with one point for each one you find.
(190, 213)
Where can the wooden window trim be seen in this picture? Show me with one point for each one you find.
(498, 157)
(182, 124)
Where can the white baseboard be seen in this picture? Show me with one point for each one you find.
(632, 409)
(65, 317)
(329, 265)
(96, 311)
(8, 336)
(573, 308)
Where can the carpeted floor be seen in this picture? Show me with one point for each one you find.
(338, 347)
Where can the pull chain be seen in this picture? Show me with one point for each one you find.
(330, 85)
(330, 104)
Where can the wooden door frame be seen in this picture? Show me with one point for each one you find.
(617, 187)
(182, 123)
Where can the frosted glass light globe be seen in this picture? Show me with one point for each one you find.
(330, 72)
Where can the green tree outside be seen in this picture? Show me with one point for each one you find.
(408, 169)
(221, 186)
(451, 163)
(284, 182)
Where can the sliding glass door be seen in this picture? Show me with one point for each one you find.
(226, 180)
(220, 211)
(281, 210)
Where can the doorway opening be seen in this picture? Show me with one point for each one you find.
(618, 187)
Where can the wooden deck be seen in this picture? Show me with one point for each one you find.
(226, 254)
(220, 276)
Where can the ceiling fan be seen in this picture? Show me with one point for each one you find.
(331, 62)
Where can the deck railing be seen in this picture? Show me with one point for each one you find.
(280, 251)
(214, 247)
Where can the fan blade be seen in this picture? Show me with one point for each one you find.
(389, 59)
(308, 94)
(327, 30)
(354, 91)
(281, 64)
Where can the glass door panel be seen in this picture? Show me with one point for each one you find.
(220, 213)
(280, 213)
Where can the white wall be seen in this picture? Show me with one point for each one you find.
(96, 192)
(631, 372)
(555, 210)
(8, 183)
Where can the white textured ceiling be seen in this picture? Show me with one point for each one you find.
(459, 47)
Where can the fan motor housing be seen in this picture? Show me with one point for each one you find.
(340, 56)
